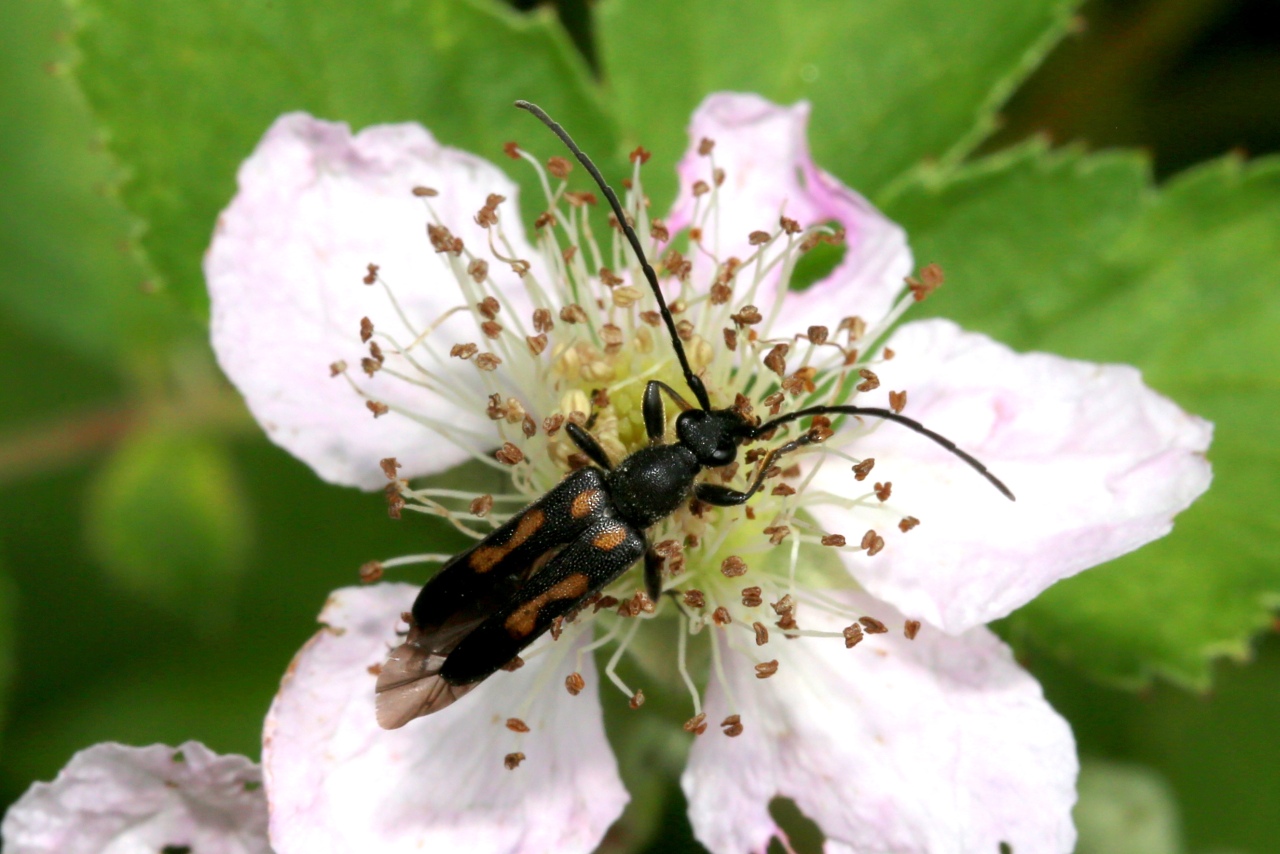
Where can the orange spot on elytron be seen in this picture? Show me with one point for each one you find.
(524, 619)
(610, 539)
(584, 503)
(485, 558)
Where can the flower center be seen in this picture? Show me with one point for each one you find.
(581, 344)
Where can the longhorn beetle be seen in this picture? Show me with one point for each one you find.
(491, 601)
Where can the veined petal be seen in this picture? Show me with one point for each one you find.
(315, 206)
(115, 798)
(338, 782)
(938, 744)
(763, 150)
(1100, 465)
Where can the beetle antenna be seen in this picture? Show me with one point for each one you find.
(888, 415)
(693, 380)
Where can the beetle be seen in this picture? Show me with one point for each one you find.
(488, 603)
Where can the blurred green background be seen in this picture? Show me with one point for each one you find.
(160, 561)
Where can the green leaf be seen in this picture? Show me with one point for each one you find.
(64, 242)
(167, 520)
(892, 83)
(187, 89)
(1079, 255)
(7, 638)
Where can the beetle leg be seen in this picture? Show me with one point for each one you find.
(589, 445)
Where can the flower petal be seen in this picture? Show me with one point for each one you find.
(938, 744)
(336, 781)
(763, 150)
(111, 797)
(285, 269)
(1100, 465)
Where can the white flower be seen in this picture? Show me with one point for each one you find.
(935, 741)
(113, 799)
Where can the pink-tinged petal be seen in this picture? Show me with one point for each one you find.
(764, 152)
(115, 798)
(1100, 465)
(336, 781)
(285, 272)
(938, 744)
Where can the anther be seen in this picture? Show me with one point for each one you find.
(720, 616)
(884, 490)
(642, 603)
(481, 505)
(910, 629)
(537, 343)
(528, 426)
(508, 454)
(862, 469)
(489, 307)
(378, 409)
(789, 225)
(512, 760)
(491, 329)
(733, 567)
(836, 540)
(908, 523)
(776, 359)
(752, 597)
(758, 238)
(370, 366)
(542, 321)
(559, 167)
(427, 192)
(818, 334)
(873, 626)
(626, 296)
(777, 533)
(765, 669)
(389, 466)
(732, 726)
(513, 665)
(930, 280)
(762, 633)
(496, 408)
(888, 353)
(706, 146)
(574, 683)
(609, 278)
(371, 274)
(783, 490)
(748, 315)
(700, 188)
(730, 339)
(872, 542)
(573, 313)
(785, 605)
(897, 400)
(487, 361)
(552, 424)
(852, 636)
(694, 598)
(637, 700)
(604, 602)
(395, 502)
(557, 628)
(870, 381)
(370, 572)
(652, 318)
(717, 175)
(337, 368)
(517, 725)
(640, 155)
(696, 724)
(659, 231)
(366, 329)
(463, 351)
(374, 669)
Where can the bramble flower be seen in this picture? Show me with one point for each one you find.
(830, 632)
(112, 798)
